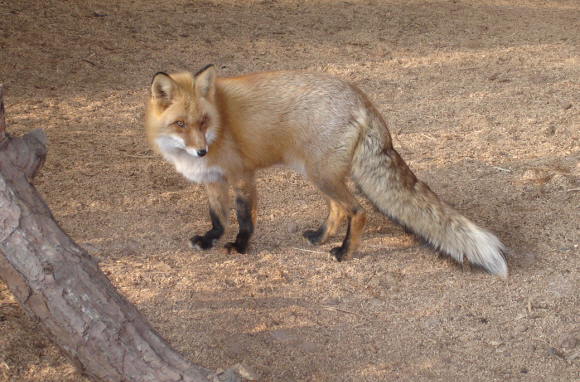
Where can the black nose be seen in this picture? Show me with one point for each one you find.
(201, 152)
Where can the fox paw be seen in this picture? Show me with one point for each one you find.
(314, 237)
(201, 243)
(231, 247)
(311, 236)
(338, 254)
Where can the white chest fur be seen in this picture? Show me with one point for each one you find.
(194, 168)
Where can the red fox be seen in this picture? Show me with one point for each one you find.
(219, 131)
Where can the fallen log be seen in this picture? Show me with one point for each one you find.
(61, 287)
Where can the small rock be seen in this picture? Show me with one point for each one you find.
(431, 323)
(567, 341)
(526, 348)
(331, 301)
(520, 329)
(553, 352)
(238, 373)
(71, 371)
(91, 249)
(164, 268)
(446, 361)
(560, 287)
(376, 302)
(292, 227)
(558, 182)
(550, 130)
(244, 371)
(371, 348)
(128, 252)
(284, 337)
(237, 344)
(308, 346)
(160, 265)
(538, 79)
(527, 260)
(290, 339)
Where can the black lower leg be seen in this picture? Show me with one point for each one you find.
(245, 221)
(339, 253)
(316, 237)
(208, 240)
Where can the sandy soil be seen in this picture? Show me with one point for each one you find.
(482, 99)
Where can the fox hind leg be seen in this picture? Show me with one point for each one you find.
(354, 233)
(329, 227)
(341, 202)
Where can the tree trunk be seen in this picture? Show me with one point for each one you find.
(61, 287)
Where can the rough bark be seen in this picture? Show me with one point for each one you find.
(61, 287)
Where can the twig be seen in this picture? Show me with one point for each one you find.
(333, 309)
(471, 68)
(501, 169)
(141, 156)
(573, 356)
(387, 247)
(308, 250)
(430, 339)
(573, 189)
(92, 63)
(225, 350)
(2, 120)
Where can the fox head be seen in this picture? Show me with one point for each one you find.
(181, 113)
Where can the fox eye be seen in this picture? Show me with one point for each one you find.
(180, 124)
(203, 121)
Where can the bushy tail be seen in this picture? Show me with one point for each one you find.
(388, 182)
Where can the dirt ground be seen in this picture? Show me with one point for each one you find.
(482, 100)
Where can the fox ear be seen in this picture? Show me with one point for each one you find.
(204, 83)
(163, 89)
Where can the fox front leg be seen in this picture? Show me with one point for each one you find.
(246, 201)
(217, 193)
